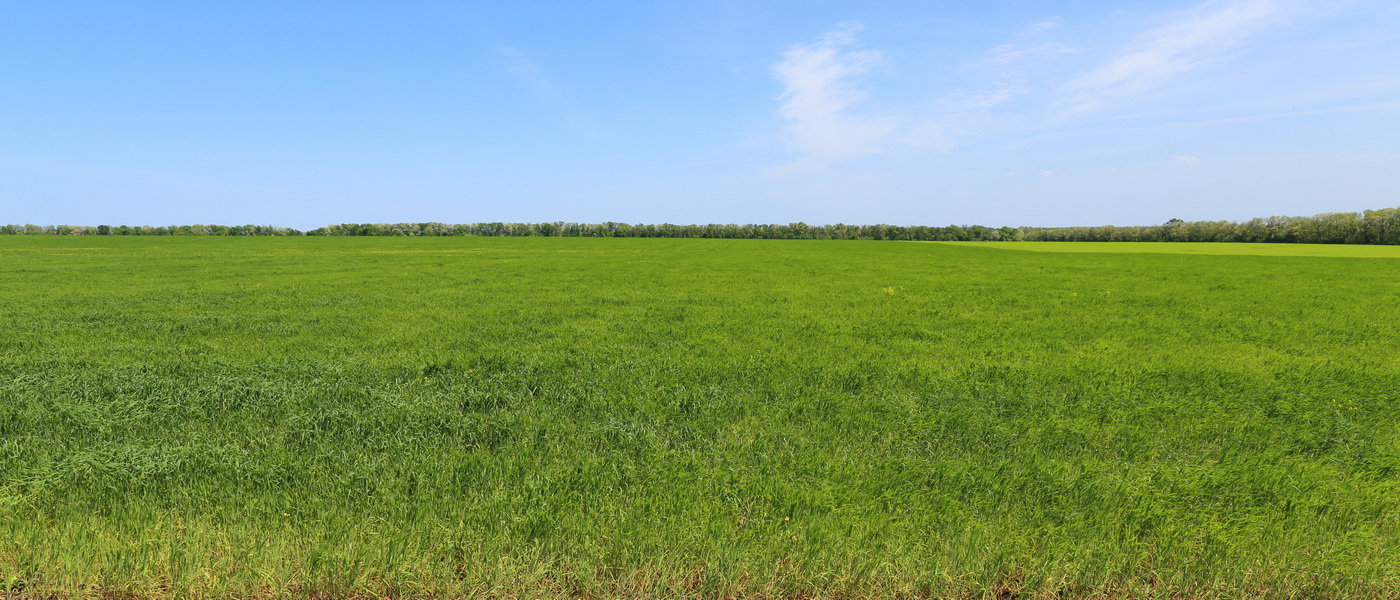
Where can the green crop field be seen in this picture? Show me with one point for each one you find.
(560, 418)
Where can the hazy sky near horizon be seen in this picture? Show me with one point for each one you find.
(884, 111)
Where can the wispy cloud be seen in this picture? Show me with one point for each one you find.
(1008, 53)
(962, 102)
(1029, 83)
(526, 70)
(1159, 55)
(1188, 160)
(821, 85)
(822, 101)
(1045, 25)
(530, 75)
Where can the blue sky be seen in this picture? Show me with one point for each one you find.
(883, 111)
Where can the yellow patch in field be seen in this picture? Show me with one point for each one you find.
(1213, 248)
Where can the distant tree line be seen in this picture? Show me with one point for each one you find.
(1368, 227)
(791, 231)
(147, 230)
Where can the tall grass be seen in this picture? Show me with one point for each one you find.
(701, 418)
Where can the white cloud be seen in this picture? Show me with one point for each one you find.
(975, 102)
(1189, 160)
(820, 87)
(1046, 173)
(962, 112)
(1045, 25)
(827, 104)
(1159, 55)
(1008, 53)
(528, 72)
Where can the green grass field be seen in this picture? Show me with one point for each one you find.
(557, 418)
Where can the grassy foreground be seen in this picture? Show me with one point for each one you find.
(542, 417)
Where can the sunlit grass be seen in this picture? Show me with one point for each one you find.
(1239, 249)
(701, 418)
